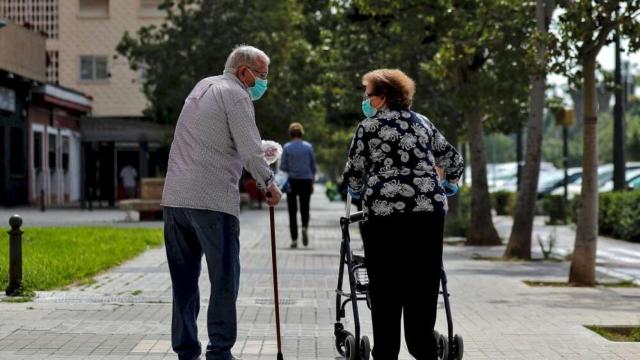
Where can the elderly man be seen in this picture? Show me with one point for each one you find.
(215, 136)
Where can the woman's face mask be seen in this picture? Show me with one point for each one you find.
(367, 109)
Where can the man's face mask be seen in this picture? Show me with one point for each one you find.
(259, 88)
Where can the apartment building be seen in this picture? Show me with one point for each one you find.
(39, 125)
(82, 36)
(81, 40)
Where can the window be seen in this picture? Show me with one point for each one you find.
(37, 151)
(65, 154)
(143, 68)
(17, 166)
(150, 8)
(94, 68)
(52, 66)
(52, 152)
(7, 99)
(94, 8)
(42, 15)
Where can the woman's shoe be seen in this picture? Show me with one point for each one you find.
(294, 244)
(305, 237)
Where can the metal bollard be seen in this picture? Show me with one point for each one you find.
(15, 256)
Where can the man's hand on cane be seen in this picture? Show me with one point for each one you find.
(273, 195)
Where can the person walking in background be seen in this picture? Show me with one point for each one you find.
(128, 174)
(299, 162)
(392, 165)
(215, 137)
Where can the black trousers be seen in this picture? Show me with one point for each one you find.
(403, 255)
(299, 189)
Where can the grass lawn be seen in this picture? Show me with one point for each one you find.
(57, 257)
(617, 333)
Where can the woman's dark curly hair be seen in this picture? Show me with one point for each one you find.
(392, 84)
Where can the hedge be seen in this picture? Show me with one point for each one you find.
(618, 214)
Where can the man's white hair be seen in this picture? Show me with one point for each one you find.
(244, 55)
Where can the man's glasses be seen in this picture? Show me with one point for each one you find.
(261, 75)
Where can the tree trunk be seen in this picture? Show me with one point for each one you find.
(519, 245)
(619, 133)
(481, 229)
(583, 263)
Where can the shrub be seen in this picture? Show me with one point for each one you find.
(457, 223)
(555, 207)
(503, 202)
(618, 214)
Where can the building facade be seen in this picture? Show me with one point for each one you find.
(81, 40)
(82, 36)
(22, 66)
(55, 157)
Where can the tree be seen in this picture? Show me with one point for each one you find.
(480, 57)
(195, 40)
(584, 28)
(519, 244)
(472, 65)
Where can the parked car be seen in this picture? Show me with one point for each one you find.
(630, 174)
(555, 180)
(605, 173)
(504, 176)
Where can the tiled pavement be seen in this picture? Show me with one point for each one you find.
(126, 313)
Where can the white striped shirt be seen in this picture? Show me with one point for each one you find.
(216, 135)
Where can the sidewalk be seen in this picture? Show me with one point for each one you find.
(126, 313)
(616, 258)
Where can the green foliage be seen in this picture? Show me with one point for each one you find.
(619, 215)
(556, 208)
(617, 333)
(503, 202)
(585, 26)
(56, 257)
(458, 224)
(192, 44)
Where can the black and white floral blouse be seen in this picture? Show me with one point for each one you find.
(392, 159)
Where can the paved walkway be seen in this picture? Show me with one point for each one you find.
(126, 313)
(616, 258)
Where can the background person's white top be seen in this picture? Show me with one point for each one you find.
(128, 175)
(216, 135)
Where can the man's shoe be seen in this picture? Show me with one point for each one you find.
(305, 236)
(294, 244)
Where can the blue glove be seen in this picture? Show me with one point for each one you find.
(449, 188)
(353, 193)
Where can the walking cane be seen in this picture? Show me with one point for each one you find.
(275, 278)
(272, 152)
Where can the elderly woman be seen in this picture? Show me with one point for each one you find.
(392, 165)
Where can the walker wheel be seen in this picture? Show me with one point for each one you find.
(458, 347)
(350, 352)
(365, 348)
(340, 334)
(443, 347)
